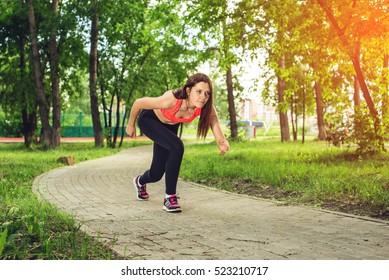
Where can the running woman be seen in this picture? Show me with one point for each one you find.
(159, 119)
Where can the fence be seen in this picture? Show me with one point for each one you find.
(80, 125)
(83, 131)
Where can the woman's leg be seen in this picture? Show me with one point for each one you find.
(167, 152)
(157, 168)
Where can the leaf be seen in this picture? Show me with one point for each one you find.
(3, 239)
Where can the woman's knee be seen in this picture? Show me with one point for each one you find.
(177, 147)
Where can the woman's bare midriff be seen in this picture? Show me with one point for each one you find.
(161, 117)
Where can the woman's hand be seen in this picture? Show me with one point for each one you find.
(224, 146)
(131, 131)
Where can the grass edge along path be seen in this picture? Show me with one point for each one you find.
(33, 229)
(313, 174)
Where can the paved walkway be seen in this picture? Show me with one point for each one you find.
(213, 225)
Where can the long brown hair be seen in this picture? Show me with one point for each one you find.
(181, 93)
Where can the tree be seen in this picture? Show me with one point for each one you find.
(94, 34)
(229, 60)
(280, 28)
(282, 107)
(351, 23)
(17, 93)
(54, 64)
(120, 59)
(46, 136)
(322, 129)
(139, 57)
(220, 29)
(55, 52)
(385, 94)
(281, 46)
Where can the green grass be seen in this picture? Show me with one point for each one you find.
(32, 229)
(312, 173)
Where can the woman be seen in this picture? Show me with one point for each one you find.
(159, 119)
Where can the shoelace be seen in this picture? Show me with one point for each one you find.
(173, 200)
(143, 190)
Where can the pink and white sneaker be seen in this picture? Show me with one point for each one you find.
(170, 204)
(141, 193)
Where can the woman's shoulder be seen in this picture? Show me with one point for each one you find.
(168, 99)
(169, 93)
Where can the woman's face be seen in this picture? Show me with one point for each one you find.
(199, 94)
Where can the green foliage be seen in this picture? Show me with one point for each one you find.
(358, 129)
(16, 84)
(143, 54)
(10, 125)
(3, 239)
(368, 140)
(148, 47)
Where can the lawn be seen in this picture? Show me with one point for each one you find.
(31, 229)
(312, 173)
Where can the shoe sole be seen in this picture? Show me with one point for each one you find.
(136, 190)
(171, 210)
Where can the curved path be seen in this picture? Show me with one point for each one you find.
(213, 225)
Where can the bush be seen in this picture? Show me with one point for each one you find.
(369, 141)
(10, 126)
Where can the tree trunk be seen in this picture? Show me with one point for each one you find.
(28, 110)
(117, 125)
(106, 111)
(55, 94)
(385, 96)
(366, 95)
(357, 93)
(126, 112)
(304, 109)
(322, 131)
(284, 124)
(292, 114)
(97, 129)
(231, 105)
(29, 127)
(357, 87)
(294, 131)
(46, 137)
(110, 126)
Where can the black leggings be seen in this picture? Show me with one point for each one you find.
(168, 150)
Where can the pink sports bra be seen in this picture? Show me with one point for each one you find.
(170, 114)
